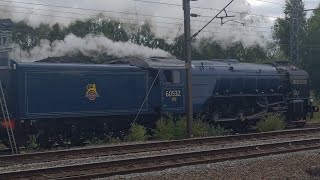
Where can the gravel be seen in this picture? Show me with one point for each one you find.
(143, 154)
(285, 166)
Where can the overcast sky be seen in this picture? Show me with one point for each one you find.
(276, 9)
(252, 21)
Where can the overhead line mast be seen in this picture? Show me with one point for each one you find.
(188, 38)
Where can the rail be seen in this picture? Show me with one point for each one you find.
(78, 153)
(153, 163)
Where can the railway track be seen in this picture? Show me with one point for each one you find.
(5, 151)
(49, 156)
(152, 163)
(312, 125)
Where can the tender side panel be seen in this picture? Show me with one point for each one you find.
(82, 93)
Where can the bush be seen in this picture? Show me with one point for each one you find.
(113, 140)
(218, 131)
(137, 133)
(171, 128)
(271, 123)
(202, 128)
(2, 146)
(176, 128)
(316, 115)
(32, 143)
(180, 128)
(98, 141)
(165, 129)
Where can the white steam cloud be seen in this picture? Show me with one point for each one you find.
(91, 44)
(165, 20)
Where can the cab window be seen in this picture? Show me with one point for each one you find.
(173, 77)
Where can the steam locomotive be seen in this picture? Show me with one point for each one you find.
(77, 101)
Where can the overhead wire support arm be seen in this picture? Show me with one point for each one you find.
(226, 16)
(216, 16)
(222, 23)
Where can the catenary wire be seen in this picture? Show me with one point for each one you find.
(76, 13)
(110, 11)
(70, 17)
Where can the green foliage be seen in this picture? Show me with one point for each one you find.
(255, 53)
(316, 115)
(311, 51)
(27, 38)
(165, 128)
(32, 143)
(176, 128)
(2, 146)
(271, 123)
(144, 36)
(210, 49)
(114, 140)
(202, 128)
(137, 133)
(281, 34)
(236, 50)
(309, 39)
(56, 33)
(98, 141)
(180, 127)
(111, 29)
(282, 25)
(218, 131)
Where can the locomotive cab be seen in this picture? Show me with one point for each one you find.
(172, 92)
(166, 82)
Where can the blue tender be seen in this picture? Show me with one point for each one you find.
(73, 90)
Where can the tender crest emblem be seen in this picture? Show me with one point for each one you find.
(92, 93)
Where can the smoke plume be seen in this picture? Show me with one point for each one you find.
(89, 45)
(166, 21)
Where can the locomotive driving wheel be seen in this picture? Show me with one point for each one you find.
(214, 113)
(44, 140)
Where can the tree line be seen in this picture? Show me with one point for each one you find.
(207, 48)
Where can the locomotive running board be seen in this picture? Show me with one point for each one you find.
(246, 118)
